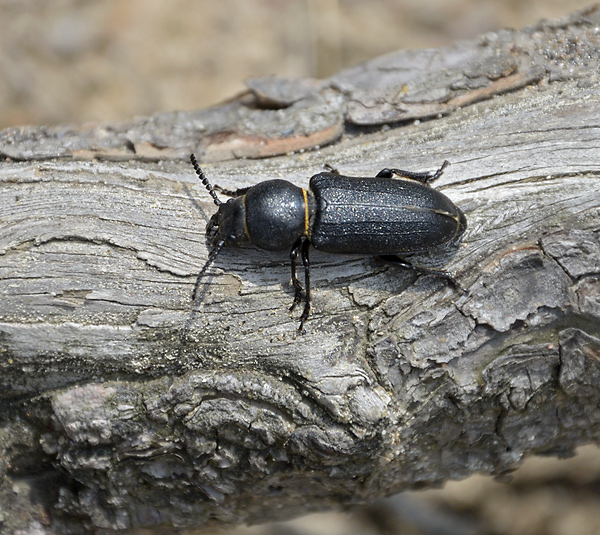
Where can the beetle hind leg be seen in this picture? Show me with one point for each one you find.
(399, 261)
(423, 177)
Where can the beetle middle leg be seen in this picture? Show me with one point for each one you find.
(303, 245)
(423, 177)
(399, 261)
(295, 282)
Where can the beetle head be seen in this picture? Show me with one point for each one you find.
(228, 224)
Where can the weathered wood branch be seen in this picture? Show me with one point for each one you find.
(124, 406)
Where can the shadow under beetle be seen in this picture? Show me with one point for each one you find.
(381, 216)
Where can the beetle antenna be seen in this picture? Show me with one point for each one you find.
(211, 257)
(204, 180)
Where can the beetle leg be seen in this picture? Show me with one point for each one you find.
(385, 173)
(440, 171)
(231, 192)
(306, 262)
(395, 259)
(423, 177)
(295, 281)
(302, 244)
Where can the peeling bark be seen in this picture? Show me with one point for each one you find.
(125, 406)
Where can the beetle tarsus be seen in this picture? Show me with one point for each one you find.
(439, 172)
(303, 318)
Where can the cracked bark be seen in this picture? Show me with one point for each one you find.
(123, 406)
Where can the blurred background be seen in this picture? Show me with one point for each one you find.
(545, 496)
(78, 61)
(74, 61)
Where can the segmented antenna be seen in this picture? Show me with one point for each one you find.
(204, 180)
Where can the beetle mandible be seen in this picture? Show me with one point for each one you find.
(381, 216)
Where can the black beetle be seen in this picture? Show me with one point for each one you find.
(380, 216)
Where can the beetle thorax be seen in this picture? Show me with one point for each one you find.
(276, 214)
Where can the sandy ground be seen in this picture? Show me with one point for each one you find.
(74, 61)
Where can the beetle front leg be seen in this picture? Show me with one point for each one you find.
(395, 259)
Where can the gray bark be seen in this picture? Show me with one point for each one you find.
(124, 405)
